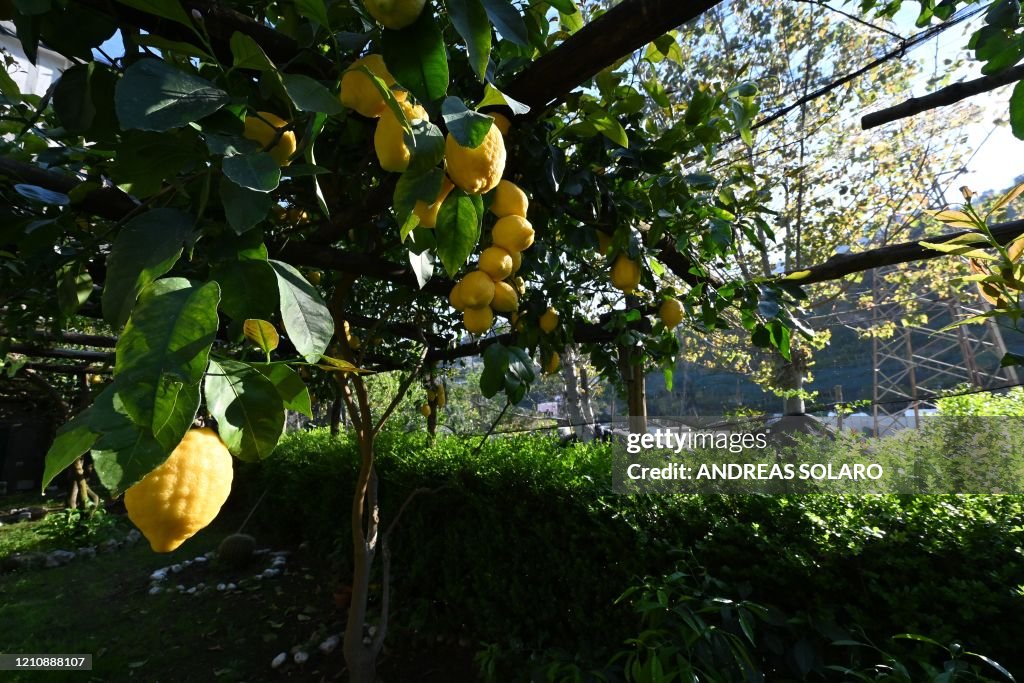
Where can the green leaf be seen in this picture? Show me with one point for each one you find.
(127, 451)
(315, 10)
(262, 334)
(147, 247)
(492, 379)
(507, 19)
(609, 126)
(316, 126)
(133, 169)
(412, 187)
(416, 57)
(310, 95)
(307, 321)
(175, 46)
(72, 441)
(289, 385)
(458, 229)
(153, 95)
(563, 6)
(244, 208)
(470, 19)
(493, 96)
(468, 127)
(73, 288)
(1017, 111)
(164, 348)
(72, 98)
(248, 54)
(168, 9)
(258, 172)
(248, 409)
(248, 287)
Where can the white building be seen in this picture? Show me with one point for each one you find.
(31, 79)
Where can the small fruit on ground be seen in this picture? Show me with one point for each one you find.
(264, 128)
(505, 298)
(551, 366)
(455, 297)
(358, 91)
(478, 320)
(184, 494)
(389, 138)
(395, 14)
(625, 274)
(671, 313)
(425, 410)
(476, 289)
(496, 262)
(509, 200)
(476, 169)
(427, 213)
(513, 233)
(549, 320)
(501, 122)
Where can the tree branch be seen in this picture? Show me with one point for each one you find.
(107, 202)
(848, 264)
(941, 98)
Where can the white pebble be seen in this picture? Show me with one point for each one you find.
(278, 660)
(330, 645)
(300, 657)
(176, 568)
(155, 589)
(221, 586)
(158, 575)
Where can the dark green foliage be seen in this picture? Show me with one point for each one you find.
(526, 548)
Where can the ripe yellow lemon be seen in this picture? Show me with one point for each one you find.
(476, 169)
(517, 261)
(512, 233)
(442, 396)
(455, 297)
(671, 313)
(604, 240)
(478, 320)
(625, 274)
(549, 320)
(502, 123)
(358, 91)
(551, 366)
(264, 128)
(389, 138)
(427, 213)
(395, 14)
(496, 262)
(505, 298)
(476, 289)
(184, 494)
(425, 410)
(509, 200)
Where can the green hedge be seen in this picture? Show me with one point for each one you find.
(525, 548)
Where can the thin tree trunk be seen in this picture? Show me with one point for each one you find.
(336, 416)
(636, 390)
(585, 402)
(573, 400)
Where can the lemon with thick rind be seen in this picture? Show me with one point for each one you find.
(395, 14)
(512, 233)
(266, 129)
(549, 320)
(551, 366)
(505, 298)
(357, 90)
(455, 297)
(625, 274)
(184, 494)
(389, 137)
(476, 169)
(509, 200)
(476, 289)
(478, 320)
(671, 313)
(496, 262)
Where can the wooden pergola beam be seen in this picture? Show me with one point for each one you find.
(73, 354)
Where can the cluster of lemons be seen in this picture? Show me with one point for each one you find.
(625, 276)
(437, 395)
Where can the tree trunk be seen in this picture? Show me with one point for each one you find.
(631, 367)
(583, 427)
(336, 416)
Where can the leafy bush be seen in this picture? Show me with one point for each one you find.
(526, 549)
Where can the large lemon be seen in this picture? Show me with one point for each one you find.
(505, 298)
(455, 297)
(184, 494)
(389, 138)
(509, 200)
(358, 91)
(671, 313)
(476, 289)
(496, 262)
(427, 213)
(265, 129)
(476, 169)
(395, 14)
(512, 233)
(478, 320)
(625, 274)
